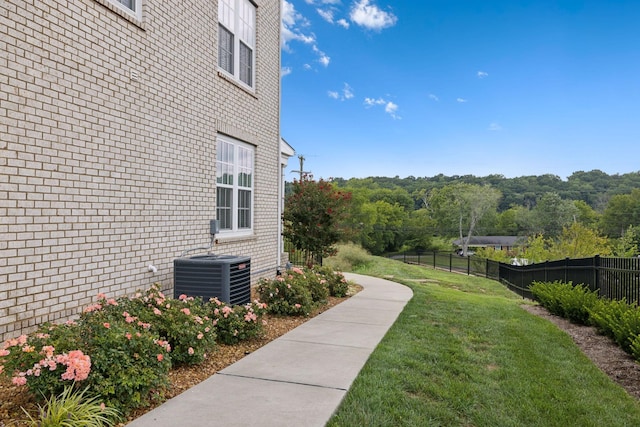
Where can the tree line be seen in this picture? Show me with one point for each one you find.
(393, 214)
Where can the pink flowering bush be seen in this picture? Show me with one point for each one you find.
(44, 361)
(298, 291)
(129, 359)
(237, 323)
(335, 281)
(287, 295)
(184, 323)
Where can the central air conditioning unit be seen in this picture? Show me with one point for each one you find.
(225, 277)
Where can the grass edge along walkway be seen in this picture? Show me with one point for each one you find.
(464, 353)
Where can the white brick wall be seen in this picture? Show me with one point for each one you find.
(108, 130)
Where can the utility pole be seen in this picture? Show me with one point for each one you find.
(301, 171)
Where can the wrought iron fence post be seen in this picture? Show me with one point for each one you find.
(596, 273)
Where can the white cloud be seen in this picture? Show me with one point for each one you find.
(322, 57)
(285, 71)
(461, 100)
(482, 74)
(389, 107)
(495, 127)
(292, 22)
(326, 14)
(371, 16)
(371, 101)
(314, 2)
(294, 27)
(343, 23)
(347, 93)
(434, 97)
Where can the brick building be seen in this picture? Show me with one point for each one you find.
(126, 125)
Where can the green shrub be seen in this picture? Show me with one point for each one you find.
(566, 300)
(73, 408)
(237, 323)
(287, 294)
(317, 285)
(618, 320)
(335, 282)
(183, 322)
(129, 360)
(549, 294)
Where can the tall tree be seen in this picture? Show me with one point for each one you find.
(313, 214)
(462, 207)
(622, 211)
(552, 213)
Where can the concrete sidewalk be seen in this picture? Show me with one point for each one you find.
(298, 379)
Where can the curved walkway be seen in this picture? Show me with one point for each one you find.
(298, 379)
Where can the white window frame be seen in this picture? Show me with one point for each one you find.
(136, 12)
(238, 17)
(235, 157)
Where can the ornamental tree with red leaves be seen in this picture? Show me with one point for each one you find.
(312, 216)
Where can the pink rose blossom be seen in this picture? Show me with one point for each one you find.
(106, 325)
(182, 297)
(200, 336)
(160, 357)
(19, 380)
(4, 352)
(156, 311)
(190, 351)
(186, 311)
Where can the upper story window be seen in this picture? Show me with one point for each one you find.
(237, 39)
(234, 186)
(132, 7)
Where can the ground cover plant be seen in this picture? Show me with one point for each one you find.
(616, 319)
(120, 351)
(463, 352)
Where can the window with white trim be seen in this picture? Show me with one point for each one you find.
(237, 39)
(132, 7)
(234, 186)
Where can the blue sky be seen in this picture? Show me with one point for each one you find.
(423, 87)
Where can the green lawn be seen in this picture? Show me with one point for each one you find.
(463, 353)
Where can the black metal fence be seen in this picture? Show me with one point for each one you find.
(613, 278)
(302, 259)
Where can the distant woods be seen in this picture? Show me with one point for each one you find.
(391, 214)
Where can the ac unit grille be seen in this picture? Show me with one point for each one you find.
(225, 277)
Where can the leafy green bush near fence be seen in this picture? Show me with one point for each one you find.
(616, 319)
(566, 300)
